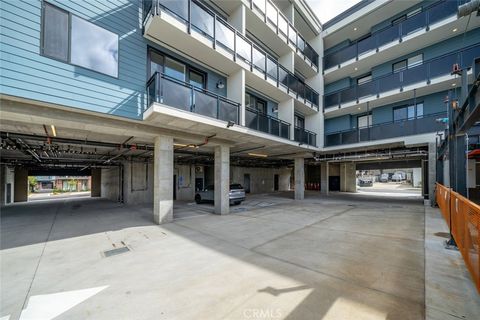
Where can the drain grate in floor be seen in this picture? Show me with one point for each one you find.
(116, 251)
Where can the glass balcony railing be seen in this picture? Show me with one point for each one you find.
(422, 20)
(181, 95)
(424, 72)
(265, 123)
(201, 19)
(387, 130)
(304, 136)
(275, 18)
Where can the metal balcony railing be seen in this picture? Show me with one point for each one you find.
(387, 130)
(304, 136)
(265, 123)
(422, 20)
(201, 19)
(181, 95)
(396, 80)
(274, 17)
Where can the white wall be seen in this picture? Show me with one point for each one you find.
(7, 175)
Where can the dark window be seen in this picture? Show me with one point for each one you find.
(399, 66)
(364, 79)
(174, 69)
(408, 112)
(156, 63)
(256, 103)
(299, 121)
(196, 79)
(55, 32)
(71, 39)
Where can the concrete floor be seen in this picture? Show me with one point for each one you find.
(336, 257)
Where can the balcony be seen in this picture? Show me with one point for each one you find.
(275, 19)
(304, 136)
(419, 30)
(181, 95)
(230, 47)
(387, 130)
(432, 71)
(261, 122)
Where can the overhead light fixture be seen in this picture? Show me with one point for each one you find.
(359, 108)
(356, 69)
(258, 155)
(454, 84)
(220, 84)
(230, 124)
(455, 30)
(355, 29)
(54, 132)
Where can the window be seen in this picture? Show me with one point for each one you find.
(408, 63)
(399, 66)
(299, 121)
(196, 79)
(364, 79)
(174, 69)
(415, 60)
(364, 121)
(408, 112)
(91, 46)
(256, 103)
(55, 33)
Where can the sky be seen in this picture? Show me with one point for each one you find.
(327, 9)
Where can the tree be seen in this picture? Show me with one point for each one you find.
(32, 182)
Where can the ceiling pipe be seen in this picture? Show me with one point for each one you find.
(468, 8)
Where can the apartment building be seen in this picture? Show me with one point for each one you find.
(156, 99)
(390, 70)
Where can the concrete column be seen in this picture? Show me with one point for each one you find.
(288, 61)
(238, 19)
(432, 171)
(299, 178)
(348, 177)
(236, 91)
(163, 180)
(222, 179)
(324, 177)
(286, 112)
(20, 193)
(96, 190)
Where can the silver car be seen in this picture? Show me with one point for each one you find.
(236, 194)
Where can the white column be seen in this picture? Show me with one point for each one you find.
(236, 91)
(163, 180)
(222, 179)
(286, 112)
(237, 19)
(288, 61)
(299, 178)
(324, 177)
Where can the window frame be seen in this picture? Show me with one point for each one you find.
(69, 34)
(406, 107)
(365, 76)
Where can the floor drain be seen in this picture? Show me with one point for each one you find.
(116, 251)
(442, 234)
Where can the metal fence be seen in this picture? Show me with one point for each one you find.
(463, 219)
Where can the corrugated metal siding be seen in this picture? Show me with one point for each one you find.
(25, 73)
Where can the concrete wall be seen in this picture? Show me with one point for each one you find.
(137, 182)
(109, 183)
(262, 179)
(6, 176)
(96, 185)
(185, 181)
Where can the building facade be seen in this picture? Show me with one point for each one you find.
(156, 98)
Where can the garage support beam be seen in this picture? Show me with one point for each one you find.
(299, 178)
(20, 185)
(96, 182)
(348, 177)
(324, 178)
(222, 179)
(163, 180)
